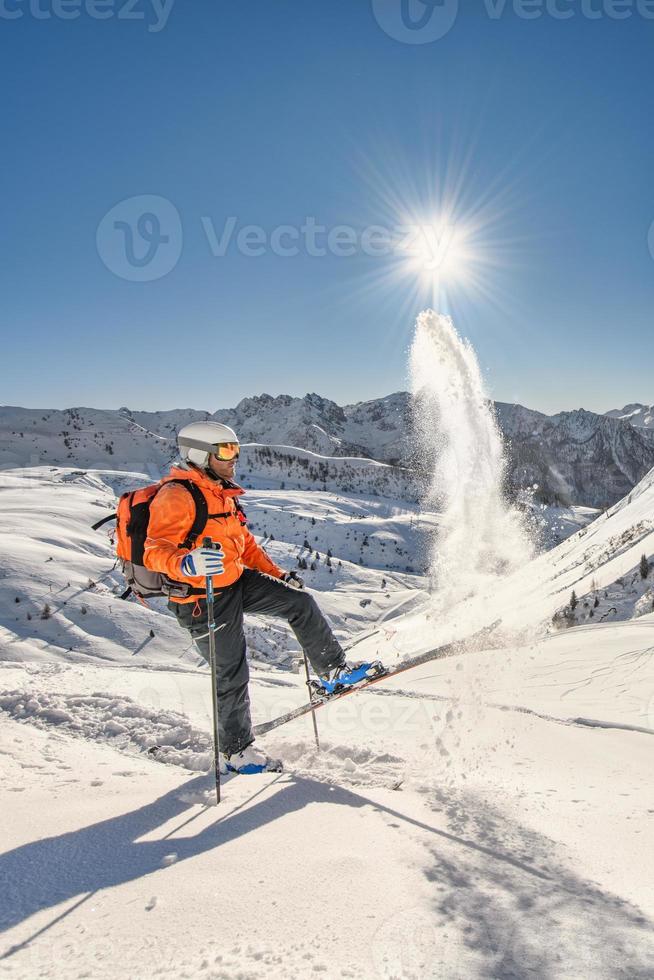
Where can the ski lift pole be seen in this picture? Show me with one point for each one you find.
(313, 710)
(208, 543)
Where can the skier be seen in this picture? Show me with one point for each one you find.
(245, 580)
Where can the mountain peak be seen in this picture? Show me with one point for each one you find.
(641, 416)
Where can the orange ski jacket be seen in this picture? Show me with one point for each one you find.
(171, 516)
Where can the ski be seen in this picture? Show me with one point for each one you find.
(437, 653)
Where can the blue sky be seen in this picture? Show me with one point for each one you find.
(272, 112)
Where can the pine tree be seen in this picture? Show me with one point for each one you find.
(573, 600)
(46, 612)
(644, 567)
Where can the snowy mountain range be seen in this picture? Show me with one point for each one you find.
(570, 458)
(577, 456)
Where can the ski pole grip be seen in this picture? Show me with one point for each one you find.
(207, 543)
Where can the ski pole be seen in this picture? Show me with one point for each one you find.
(313, 710)
(208, 543)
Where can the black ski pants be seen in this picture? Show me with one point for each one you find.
(262, 594)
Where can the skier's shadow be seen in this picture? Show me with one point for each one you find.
(46, 872)
(78, 864)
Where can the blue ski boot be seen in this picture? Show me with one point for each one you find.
(347, 675)
(249, 761)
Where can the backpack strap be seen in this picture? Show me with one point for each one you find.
(201, 512)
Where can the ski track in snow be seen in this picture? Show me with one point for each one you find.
(582, 722)
(119, 721)
(169, 737)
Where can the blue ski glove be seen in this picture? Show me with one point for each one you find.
(294, 580)
(203, 561)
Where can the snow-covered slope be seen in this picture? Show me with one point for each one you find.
(607, 550)
(289, 468)
(59, 588)
(553, 524)
(83, 437)
(630, 596)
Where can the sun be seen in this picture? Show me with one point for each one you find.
(452, 235)
(438, 251)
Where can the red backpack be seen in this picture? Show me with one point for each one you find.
(132, 517)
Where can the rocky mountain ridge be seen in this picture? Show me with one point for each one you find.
(642, 416)
(575, 457)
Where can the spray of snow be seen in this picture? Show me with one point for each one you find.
(480, 539)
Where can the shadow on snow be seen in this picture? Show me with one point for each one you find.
(498, 890)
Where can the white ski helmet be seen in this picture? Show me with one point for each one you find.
(198, 440)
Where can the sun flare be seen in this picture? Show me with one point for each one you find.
(451, 235)
(437, 252)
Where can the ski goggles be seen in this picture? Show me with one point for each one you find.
(227, 451)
